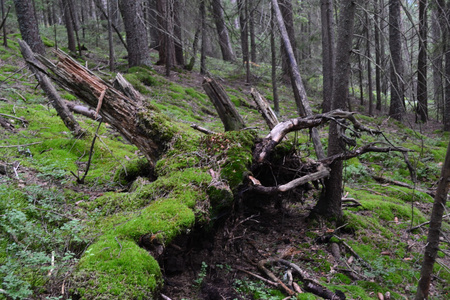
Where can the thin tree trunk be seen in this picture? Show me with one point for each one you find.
(273, 49)
(422, 89)
(299, 89)
(251, 19)
(328, 53)
(110, 38)
(434, 233)
(436, 58)
(286, 12)
(222, 31)
(377, 55)
(243, 23)
(203, 47)
(5, 38)
(177, 32)
(50, 90)
(369, 65)
(71, 44)
(329, 204)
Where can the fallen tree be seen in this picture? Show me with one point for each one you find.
(197, 179)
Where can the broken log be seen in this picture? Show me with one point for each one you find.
(50, 91)
(138, 121)
(264, 108)
(231, 119)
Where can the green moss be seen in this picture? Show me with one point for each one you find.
(116, 268)
(68, 96)
(132, 170)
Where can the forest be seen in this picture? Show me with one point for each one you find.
(224, 149)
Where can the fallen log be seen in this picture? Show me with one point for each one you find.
(264, 109)
(137, 120)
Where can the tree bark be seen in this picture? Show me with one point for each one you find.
(432, 245)
(396, 108)
(49, 89)
(222, 31)
(243, 24)
(5, 38)
(297, 84)
(231, 119)
(28, 25)
(329, 204)
(369, 64)
(285, 7)
(139, 122)
(436, 58)
(273, 51)
(328, 54)
(377, 55)
(138, 52)
(264, 108)
(69, 26)
(422, 90)
(203, 30)
(110, 39)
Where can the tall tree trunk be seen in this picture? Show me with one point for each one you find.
(5, 38)
(138, 53)
(203, 29)
(369, 64)
(222, 31)
(166, 41)
(286, 12)
(177, 33)
(273, 49)
(28, 25)
(71, 44)
(444, 14)
(297, 84)
(329, 204)
(434, 233)
(251, 21)
(422, 89)
(436, 58)
(328, 53)
(153, 24)
(377, 55)
(110, 38)
(243, 23)
(396, 108)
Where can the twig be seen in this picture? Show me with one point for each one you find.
(15, 168)
(363, 262)
(165, 297)
(6, 79)
(24, 145)
(120, 251)
(424, 223)
(81, 180)
(261, 266)
(13, 117)
(258, 277)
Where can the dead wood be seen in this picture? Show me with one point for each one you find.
(50, 90)
(322, 172)
(5, 124)
(264, 109)
(261, 267)
(202, 129)
(136, 120)
(425, 223)
(402, 184)
(353, 252)
(6, 16)
(231, 119)
(82, 110)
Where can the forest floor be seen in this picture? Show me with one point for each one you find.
(221, 261)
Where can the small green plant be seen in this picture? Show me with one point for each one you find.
(201, 275)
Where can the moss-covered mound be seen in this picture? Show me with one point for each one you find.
(195, 180)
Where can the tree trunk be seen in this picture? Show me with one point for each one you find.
(203, 29)
(110, 38)
(297, 84)
(177, 33)
(251, 23)
(329, 204)
(71, 44)
(444, 15)
(243, 24)
(377, 55)
(5, 38)
(436, 58)
(138, 52)
(422, 90)
(369, 64)
(166, 41)
(222, 31)
(231, 119)
(28, 25)
(264, 108)
(328, 54)
(432, 245)
(287, 11)
(273, 50)
(396, 108)
(49, 89)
